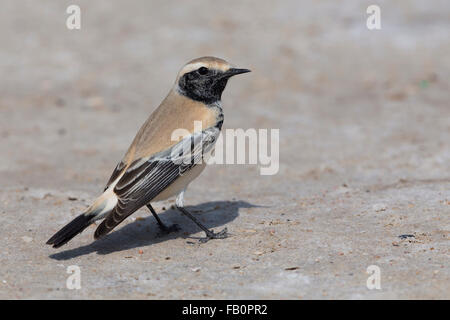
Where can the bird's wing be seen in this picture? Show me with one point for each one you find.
(145, 178)
(116, 173)
(155, 135)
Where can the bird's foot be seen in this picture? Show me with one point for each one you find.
(215, 235)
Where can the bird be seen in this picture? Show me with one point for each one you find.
(157, 167)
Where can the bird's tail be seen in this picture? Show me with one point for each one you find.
(73, 228)
(101, 207)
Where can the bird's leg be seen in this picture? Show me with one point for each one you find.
(161, 225)
(210, 234)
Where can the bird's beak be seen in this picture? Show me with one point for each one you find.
(234, 71)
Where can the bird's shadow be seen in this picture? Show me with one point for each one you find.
(144, 232)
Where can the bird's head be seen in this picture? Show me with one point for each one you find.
(204, 79)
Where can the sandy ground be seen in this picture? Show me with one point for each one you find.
(364, 121)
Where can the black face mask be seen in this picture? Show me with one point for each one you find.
(206, 85)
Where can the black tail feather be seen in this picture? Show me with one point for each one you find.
(73, 228)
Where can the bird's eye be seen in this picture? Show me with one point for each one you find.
(203, 71)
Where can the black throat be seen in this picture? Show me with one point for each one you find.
(207, 89)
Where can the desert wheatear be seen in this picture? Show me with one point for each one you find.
(155, 167)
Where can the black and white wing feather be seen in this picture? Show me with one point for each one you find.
(145, 178)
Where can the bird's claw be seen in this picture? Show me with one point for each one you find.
(215, 235)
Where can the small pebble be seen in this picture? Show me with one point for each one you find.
(291, 268)
(379, 207)
(27, 239)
